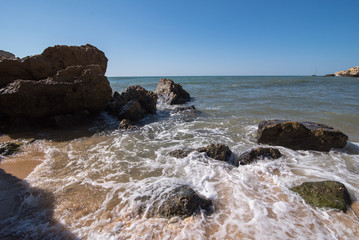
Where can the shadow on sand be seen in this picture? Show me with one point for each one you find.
(27, 212)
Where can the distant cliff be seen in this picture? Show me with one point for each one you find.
(351, 72)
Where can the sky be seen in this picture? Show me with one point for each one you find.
(192, 37)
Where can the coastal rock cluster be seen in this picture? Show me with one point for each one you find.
(351, 72)
(63, 80)
(67, 82)
(132, 104)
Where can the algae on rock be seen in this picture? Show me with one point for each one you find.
(329, 194)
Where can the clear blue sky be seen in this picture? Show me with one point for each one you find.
(189, 37)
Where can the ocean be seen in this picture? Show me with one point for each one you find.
(93, 185)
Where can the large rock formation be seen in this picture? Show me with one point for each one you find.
(329, 194)
(61, 80)
(181, 202)
(257, 154)
(171, 93)
(351, 72)
(300, 135)
(133, 103)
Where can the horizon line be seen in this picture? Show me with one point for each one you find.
(291, 75)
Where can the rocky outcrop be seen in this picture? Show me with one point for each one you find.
(181, 202)
(300, 135)
(62, 80)
(219, 152)
(132, 104)
(255, 154)
(6, 55)
(171, 93)
(351, 72)
(330, 194)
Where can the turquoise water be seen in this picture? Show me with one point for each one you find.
(97, 180)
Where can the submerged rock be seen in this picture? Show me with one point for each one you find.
(133, 103)
(182, 202)
(329, 194)
(171, 93)
(9, 148)
(62, 80)
(219, 152)
(300, 135)
(257, 154)
(181, 153)
(127, 125)
(188, 114)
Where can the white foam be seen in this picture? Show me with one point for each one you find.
(101, 182)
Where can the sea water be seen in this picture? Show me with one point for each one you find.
(93, 186)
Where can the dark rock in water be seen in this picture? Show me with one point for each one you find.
(188, 114)
(180, 153)
(300, 135)
(181, 202)
(127, 125)
(256, 154)
(132, 104)
(329, 75)
(181, 109)
(132, 111)
(219, 152)
(329, 194)
(9, 148)
(62, 80)
(171, 93)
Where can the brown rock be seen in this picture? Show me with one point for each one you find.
(300, 135)
(62, 80)
(257, 154)
(74, 89)
(171, 93)
(181, 202)
(217, 151)
(52, 60)
(329, 75)
(133, 104)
